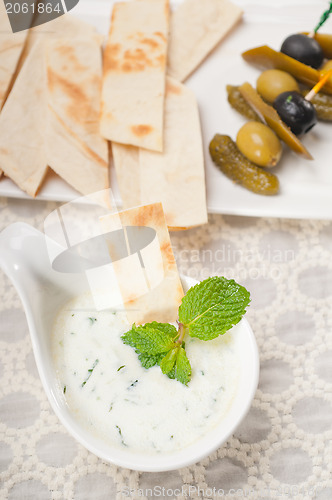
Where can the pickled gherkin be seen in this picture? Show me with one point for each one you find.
(239, 169)
(323, 105)
(237, 102)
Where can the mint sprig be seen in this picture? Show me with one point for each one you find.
(208, 309)
(212, 307)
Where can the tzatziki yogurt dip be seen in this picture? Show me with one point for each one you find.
(116, 399)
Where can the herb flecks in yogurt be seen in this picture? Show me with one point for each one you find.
(120, 434)
(146, 413)
(208, 309)
(90, 371)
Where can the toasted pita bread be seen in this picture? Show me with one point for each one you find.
(65, 26)
(196, 27)
(126, 163)
(22, 126)
(11, 46)
(74, 147)
(134, 74)
(65, 134)
(176, 176)
(152, 292)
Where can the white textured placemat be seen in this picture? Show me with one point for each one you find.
(282, 450)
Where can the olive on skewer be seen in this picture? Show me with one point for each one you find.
(297, 111)
(273, 82)
(294, 110)
(305, 48)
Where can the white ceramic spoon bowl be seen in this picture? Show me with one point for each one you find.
(43, 291)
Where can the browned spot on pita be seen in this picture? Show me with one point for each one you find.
(166, 250)
(141, 130)
(173, 89)
(135, 60)
(161, 35)
(68, 52)
(144, 218)
(166, 9)
(114, 13)
(70, 89)
(4, 151)
(111, 60)
(151, 43)
(65, 50)
(161, 60)
(79, 107)
(129, 67)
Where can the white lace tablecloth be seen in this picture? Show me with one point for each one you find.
(283, 449)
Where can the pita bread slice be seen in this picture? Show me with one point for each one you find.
(126, 164)
(11, 46)
(65, 26)
(72, 160)
(22, 126)
(196, 28)
(157, 294)
(75, 149)
(176, 176)
(134, 74)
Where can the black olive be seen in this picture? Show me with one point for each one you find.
(298, 113)
(303, 48)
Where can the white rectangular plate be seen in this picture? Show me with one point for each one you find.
(306, 186)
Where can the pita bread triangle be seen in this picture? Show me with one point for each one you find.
(34, 134)
(152, 292)
(74, 147)
(134, 74)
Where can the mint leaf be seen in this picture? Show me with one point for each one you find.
(183, 368)
(152, 338)
(168, 362)
(176, 365)
(166, 328)
(212, 307)
(148, 361)
(172, 373)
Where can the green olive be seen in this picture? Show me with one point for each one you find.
(259, 144)
(273, 82)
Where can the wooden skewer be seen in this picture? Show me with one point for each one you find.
(318, 85)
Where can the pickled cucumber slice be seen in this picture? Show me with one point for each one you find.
(267, 58)
(271, 118)
(323, 105)
(237, 102)
(239, 169)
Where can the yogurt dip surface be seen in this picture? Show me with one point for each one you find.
(119, 401)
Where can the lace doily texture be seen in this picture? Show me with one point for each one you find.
(283, 448)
